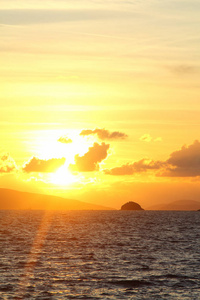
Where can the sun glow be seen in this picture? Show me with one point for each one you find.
(63, 176)
(58, 144)
(50, 147)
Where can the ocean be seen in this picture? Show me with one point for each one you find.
(99, 255)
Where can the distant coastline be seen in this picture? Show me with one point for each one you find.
(184, 204)
(12, 199)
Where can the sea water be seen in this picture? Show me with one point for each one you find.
(99, 255)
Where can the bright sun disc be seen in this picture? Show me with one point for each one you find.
(63, 176)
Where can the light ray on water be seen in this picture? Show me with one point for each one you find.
(34, 254)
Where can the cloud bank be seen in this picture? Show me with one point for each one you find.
(182, 163)
(90, 161)
(104, 134)
(140, 166)
(43, 166)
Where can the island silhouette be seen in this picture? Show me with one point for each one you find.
(131, 206)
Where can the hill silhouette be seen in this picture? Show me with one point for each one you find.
(131, 206)
(11, 199)
(177, 205)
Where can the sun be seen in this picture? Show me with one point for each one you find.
(49, 146)
(63, 176)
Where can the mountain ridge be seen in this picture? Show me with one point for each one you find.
(12, 199)
(184, 204)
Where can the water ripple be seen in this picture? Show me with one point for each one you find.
(99, 255)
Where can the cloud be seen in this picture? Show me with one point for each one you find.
(104, 134)
(90, 160)
(64, 140)
(7, 164)
(41, 16)
(44, 166)
(146, 138)
(158, 139)
(140, 166)
(183, 69)
(184, 162)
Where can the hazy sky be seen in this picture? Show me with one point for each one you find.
(100, 100)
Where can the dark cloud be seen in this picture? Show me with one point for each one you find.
(64, 140)
(104, 134)
(43, 166)
(90, 160)
(7, 164)
(140, 166)
(184, 162)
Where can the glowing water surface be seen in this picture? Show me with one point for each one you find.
(99, 255)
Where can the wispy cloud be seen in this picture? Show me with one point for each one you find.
(64, 140)
(39, 16)
(183, 69)
(148, 138)
(158, 139)
(104, 134)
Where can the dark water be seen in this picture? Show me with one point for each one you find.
(99, 255)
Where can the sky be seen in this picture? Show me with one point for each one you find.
(100, 100)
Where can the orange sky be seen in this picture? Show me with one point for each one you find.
(100, 100)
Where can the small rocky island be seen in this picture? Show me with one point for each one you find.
(131, 206)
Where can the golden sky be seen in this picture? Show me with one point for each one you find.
(100, 100)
